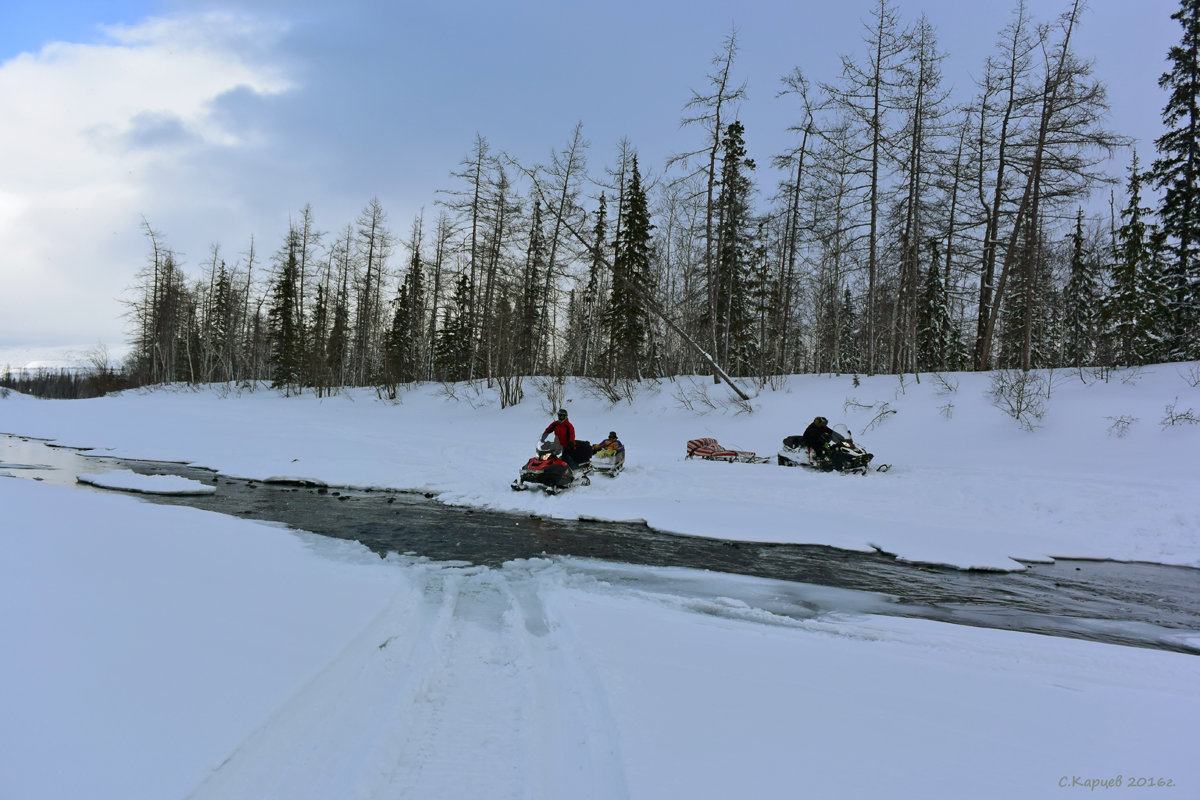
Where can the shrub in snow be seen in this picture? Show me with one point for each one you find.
(1120, 425)
(1019, 394)
(1173, 417)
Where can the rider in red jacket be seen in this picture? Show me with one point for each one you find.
(564, 433)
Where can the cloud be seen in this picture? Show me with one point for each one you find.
(87, 131)
(156, 131)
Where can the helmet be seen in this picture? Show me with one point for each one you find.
(546, 449)
(820, 422)
(562, 413)
(612, 434)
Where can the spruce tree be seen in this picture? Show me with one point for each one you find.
(283, 327)
(339, 333)
(403, 354)
(224, 323)
(735, 335)
(452, 354)
(935, 329)
(1134, 312)
(626, 315)
(395, 345)
(1079, 303)
(849, 349)
(1177, 173)
(532, 297)
(1025, 311)
(316, 373)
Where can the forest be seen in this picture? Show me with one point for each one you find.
(910, 233)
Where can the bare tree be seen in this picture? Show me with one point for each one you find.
(1066, 142)
(373, 247)
(563, 174)
(865, 94)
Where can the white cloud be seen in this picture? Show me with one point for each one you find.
(85, 129)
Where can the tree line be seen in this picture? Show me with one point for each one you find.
(908, 233)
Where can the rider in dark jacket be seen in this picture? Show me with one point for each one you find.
(817, 435)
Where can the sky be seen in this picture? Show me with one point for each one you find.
(217, 122)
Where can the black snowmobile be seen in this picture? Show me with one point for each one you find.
(840, 454)
(547, 470)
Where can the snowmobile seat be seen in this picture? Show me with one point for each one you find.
(581, 450)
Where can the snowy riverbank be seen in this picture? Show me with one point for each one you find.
(1099, 476)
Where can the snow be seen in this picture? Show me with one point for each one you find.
(130, 481)
(969, 487)
(165, 652)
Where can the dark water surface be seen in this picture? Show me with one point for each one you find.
(1146, 605)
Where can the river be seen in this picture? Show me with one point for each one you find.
(1145, 605)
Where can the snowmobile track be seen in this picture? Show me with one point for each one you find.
(424, 702)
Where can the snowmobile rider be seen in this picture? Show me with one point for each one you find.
(611, 443)
(564, 433)
(817, 435)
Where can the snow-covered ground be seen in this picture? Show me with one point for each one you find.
(163, 652)
(969, 485)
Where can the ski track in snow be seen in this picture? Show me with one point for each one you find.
(424, 702)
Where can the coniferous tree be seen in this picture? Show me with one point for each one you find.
(532, 298)
(224, 322)
(849, 348)
(1025, 316)
(403, 348)
(453, 347)
(339, 334)
(1132, 315)
(626, 315)
(1177, 172)
(935, 328)
(283, 327)
(316, 355)
(768, 313)
(735, 250)
(416, 316)
(397, 345)
(1079, 303)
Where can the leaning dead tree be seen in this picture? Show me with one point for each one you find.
(648, 302)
